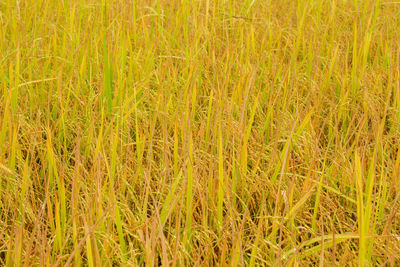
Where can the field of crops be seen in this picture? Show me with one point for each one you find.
(199, 133)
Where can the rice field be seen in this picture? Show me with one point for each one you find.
(199, 133)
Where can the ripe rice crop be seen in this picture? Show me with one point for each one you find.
(199, 133)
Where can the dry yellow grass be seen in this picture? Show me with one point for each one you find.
(199, 132)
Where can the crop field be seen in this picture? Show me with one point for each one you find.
(199, 133)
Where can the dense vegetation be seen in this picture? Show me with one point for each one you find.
(199, 132)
